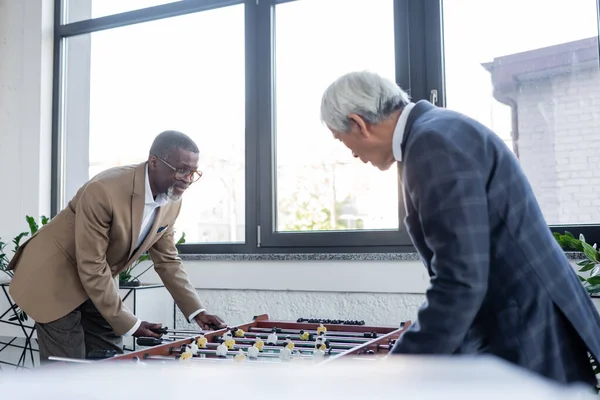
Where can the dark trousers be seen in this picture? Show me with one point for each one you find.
(76, 334)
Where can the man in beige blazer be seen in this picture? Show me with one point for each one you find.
(65, 274)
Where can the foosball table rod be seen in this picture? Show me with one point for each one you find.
(151, 359)
(266, 350)
(330, 342)
(70, 360)
(271, 349)
(151, 342)
(231, 356)
(334, 345)
(331, 336)
(371, 335)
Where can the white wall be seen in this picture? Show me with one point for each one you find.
(379, 292)
(25, 111)
(26, 35)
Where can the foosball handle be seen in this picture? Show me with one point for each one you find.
(101, 354)
(160, 330)
(148, 341)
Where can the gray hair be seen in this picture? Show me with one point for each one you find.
(166, 142)
(365, 93)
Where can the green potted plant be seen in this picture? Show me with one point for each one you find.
(129, 278)
(589, 271)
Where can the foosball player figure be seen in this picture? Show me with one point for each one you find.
(237, 332)
(240, 356)
(139, 362)
(288, 343)
(253, 352)
(320, 344)
(228, 331)
(321, 328)
(259, 343)
(193, 348)
(304, 335)
(318, 354)
(272, 338)
(201, 342)
(187, 353)
(285, 354)
(229, 341)
(222, 350)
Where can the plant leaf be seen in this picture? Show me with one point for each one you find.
(590, 252)
(588, 266)
(594, 280)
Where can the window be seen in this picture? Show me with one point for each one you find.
(319, 194)
(532, 76)
(184, 73)
(244, 78)
(319, 185)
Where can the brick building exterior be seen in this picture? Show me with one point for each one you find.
(554, 95)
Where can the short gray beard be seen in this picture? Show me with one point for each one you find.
(172, 196)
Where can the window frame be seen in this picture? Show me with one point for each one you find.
(419, 55)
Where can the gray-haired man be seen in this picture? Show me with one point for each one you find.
(500, 284)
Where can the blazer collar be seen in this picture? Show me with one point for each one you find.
(420, 108)
(138, 200)
(139, 180)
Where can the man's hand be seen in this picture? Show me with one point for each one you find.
(145, 330)
(209, 321)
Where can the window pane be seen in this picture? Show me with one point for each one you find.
(320, 186)
(536, 83)
(80, 10)
(184, 73)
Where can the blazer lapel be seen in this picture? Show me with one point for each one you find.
(137, 205)
(420, 108)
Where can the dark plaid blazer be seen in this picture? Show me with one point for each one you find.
(500, 284)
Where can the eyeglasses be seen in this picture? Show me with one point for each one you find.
(184, 173)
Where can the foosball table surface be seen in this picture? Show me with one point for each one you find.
(265, 341)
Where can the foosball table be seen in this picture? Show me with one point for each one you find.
(266, 341)
(183, 362)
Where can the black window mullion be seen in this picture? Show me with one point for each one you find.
(266, 111)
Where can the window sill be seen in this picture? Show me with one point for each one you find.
(572, 255)
(391, 273)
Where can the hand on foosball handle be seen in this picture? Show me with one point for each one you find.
(209, 321)
(148, 329)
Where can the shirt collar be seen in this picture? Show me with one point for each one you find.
(161, 199)
(399, 131)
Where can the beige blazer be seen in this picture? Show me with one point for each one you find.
(78, 254)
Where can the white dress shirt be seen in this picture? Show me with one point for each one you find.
(150, 208)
